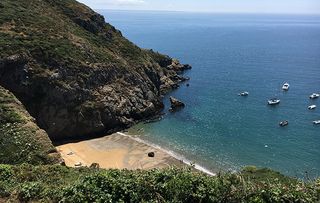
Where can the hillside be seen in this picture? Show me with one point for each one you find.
(21, 140)
(77, 75)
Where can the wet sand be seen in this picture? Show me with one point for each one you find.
(116, 151)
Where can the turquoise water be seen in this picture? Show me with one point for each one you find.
(231, 53)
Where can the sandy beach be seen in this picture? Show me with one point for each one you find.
(116, 151)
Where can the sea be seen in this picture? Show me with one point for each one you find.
(231, 53)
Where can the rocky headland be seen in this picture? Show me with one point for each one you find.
(76, 74)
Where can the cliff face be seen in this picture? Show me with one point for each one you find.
(21, 140)
(76, 74)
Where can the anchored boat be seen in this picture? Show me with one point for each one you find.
(273, 101)
(316, 122)
(284, 123)
(285, 86)
(314, 96)
(243, 94)
(312, 107)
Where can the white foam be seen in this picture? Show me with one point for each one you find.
(171, 153)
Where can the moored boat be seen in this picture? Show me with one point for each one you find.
(285, 86)
(317, 122)
(273, 101)
(311, 107)
(243, 94)
(284, 123)
(314, 96)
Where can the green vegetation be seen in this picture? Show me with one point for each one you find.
(253, 173)
(59, 183)
(69, 51)
(55, 31)
(21, 140)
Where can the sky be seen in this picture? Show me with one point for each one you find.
(228, 6)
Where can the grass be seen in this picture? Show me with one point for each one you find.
(61, 184)
(54, 30)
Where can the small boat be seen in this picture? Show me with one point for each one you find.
(312, 107)
(314, 96)
(78, 164)
(285, 86)
(316, 122)
(273, 101)
(243, 94)
(283, 123)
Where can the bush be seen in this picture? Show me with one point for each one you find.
(5, 172)
(63, 184)
(30, 191)
(175, 185)
(4, 190)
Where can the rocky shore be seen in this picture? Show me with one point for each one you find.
(176, 104)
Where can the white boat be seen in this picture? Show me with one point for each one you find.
(311, 107)
(285, 86)
(284, 123)
(314, 96)
(316, 122)
(273, 101)
(243, 94)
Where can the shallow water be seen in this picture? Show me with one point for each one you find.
(230, 54)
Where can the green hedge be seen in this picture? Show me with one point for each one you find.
(62, 184)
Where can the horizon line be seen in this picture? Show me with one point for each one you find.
(208, 12)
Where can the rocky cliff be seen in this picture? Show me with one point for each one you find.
(21, 140)
(76, 74)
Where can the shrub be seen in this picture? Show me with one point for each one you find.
(5, 172)
(62, 184)
(29, 191)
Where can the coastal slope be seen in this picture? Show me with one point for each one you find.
(21, 140)
(75, 73)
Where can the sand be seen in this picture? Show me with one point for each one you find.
(116, 151)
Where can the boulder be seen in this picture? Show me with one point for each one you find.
(151, 154)
(95, 165)
(176, 104)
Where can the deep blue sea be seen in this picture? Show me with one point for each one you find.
(231, 53)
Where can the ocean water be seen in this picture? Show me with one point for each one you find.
(231, 53)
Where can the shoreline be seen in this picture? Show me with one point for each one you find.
(172, 154)
(122, 151)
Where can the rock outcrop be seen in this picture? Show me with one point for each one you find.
(77, 75)
(21, 140)
(176, 104)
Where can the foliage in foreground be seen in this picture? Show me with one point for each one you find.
(58, 183)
